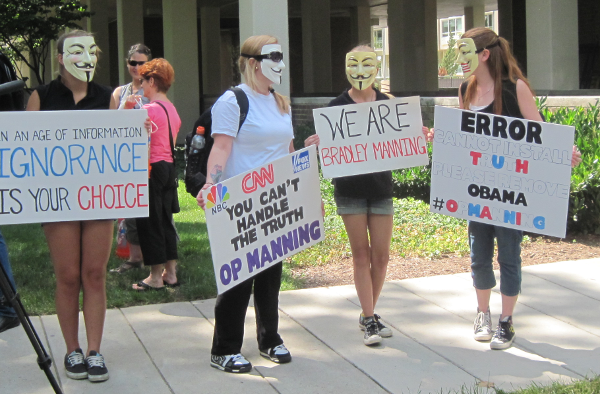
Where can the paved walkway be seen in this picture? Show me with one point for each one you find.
(165, 348)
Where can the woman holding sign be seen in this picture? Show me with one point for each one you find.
(266, 135)
(79, 249)
(365, 203)
(496, 85)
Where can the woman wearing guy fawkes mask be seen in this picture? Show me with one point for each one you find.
(79, 249)
(365, 203)
(266, 135)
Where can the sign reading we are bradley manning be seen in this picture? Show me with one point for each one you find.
(371, 137)
(258, 218)
(73, 165)
(503, 171)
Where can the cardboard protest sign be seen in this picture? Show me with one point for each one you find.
(503, 171)
(73, 165)
(259, 218)
(371, 137)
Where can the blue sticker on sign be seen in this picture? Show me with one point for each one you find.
(301, 162)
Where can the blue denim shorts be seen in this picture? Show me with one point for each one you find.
(358, 206)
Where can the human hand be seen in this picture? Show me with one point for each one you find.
(312, 140)
(575, 157)
(132, 100)
(200, 196)
(428, 133)
(148, 125)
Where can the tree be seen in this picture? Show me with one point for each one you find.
(27, 28)
(447, 66)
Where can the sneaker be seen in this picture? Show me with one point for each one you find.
(96, 368)
(75, 365)
(504, 335)
(384, 331)
(278, 354)
(483, 326)
(230, 363)
(372, 336)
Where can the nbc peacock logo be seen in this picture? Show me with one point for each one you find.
(217, 198)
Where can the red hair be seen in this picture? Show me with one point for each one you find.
(162, 72)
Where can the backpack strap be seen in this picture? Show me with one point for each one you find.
(243, 103)
(170, 132)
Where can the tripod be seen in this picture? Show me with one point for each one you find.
(43, 360)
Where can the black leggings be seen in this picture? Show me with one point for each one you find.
(158, 237)
(230, 313)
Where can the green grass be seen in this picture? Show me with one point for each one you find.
(577, 387)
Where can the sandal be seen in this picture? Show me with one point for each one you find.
(126, 266)
(143, 286)
(171, 285)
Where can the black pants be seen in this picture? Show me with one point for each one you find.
(157, 234)
(230, 313)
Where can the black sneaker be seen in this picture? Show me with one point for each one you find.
(504, 335)
(96, 367)
(75, 365)
(278, 354)
(235, 363)
(371, 336)
(6, 323)
(384, 331)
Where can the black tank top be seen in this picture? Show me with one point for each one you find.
(510, 103)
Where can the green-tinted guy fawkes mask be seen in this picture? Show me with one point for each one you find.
(80, 57)
(361, 69)
(467, 56)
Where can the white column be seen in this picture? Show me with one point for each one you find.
(210, 26)
(268, 17)
(475, 16)
(413, 45)
(552, 44)
(98, 24)
(361, 24)
(316, 45)
(180, 30)
(130, 30)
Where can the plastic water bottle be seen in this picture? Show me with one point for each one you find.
(198, 141)
(122, 249)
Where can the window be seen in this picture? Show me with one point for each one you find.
(489, 20)
(452, 26)
(378, 39)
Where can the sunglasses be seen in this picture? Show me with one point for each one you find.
(133, 63)
(273, 56)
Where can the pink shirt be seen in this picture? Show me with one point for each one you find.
(160, 147)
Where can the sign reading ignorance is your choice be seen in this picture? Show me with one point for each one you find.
(73, 165)
(370, 137)
(502, 171)
(258, 218)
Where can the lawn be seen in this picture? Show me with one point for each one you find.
(417, 232)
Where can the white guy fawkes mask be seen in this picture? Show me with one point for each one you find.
(361, 69)
(79, 57)
(271, 63)
(467, 56)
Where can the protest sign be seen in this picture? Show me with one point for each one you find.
(502, 171)
(73, 165)
(258, 218)
(370, 137)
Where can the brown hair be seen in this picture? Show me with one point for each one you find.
(162, 72)
(252, 46)
(501, 63)
(60, 43)
(141, 49)
(362, 48)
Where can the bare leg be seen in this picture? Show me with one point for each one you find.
(483, 299)
(508, 305)
(96, 242)
(155, 278)
(380, 231)
(169, 274)
(135, 253)
(64, 241)
(356, 227)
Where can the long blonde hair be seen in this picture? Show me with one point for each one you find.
(501, 63)
(252, 46)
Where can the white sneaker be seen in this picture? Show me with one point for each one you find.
(483, 326)
(371, 336)
(278, 354)
(235, 363)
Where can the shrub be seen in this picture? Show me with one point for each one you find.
(584, 202)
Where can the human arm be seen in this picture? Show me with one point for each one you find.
(292, 149)
(312, 140)
(116, 97)
(34, 102)
(219, 154)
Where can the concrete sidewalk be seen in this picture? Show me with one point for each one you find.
(165, 348)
